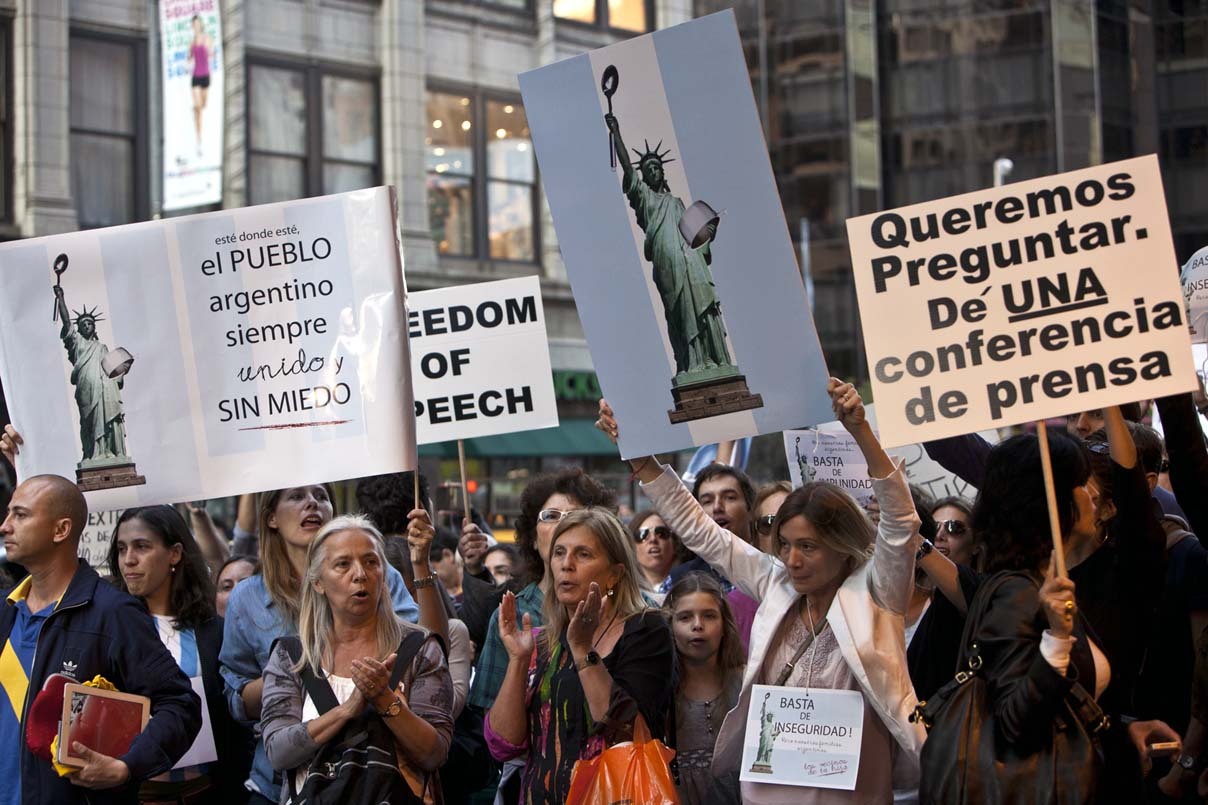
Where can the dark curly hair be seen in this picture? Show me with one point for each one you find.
(192, 593)
(1010, 515)
(387, 499)
(576, 485)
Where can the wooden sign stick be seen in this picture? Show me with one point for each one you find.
(1046, 466)
(461, 462)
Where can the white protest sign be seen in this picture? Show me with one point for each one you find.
(1194, 276)
(97, 536)
(821, 454)
(480, 360)
(1021, 303)
(208, 355)
(803, 737)
(192, 79)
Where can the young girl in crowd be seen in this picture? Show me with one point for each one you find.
(155, 558)
(711, 661)
(831, 607)
(265, 607)
(602, 659)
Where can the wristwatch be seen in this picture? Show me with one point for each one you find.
(1186, 762)
(925, 547)
(394, 709)
(591, 658)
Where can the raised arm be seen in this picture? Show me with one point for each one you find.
(428, 596)
(619, 146)
(64, 314)
(1188, 459)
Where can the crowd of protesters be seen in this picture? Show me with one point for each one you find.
(319, 656)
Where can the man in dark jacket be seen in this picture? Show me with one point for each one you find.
(64, 619)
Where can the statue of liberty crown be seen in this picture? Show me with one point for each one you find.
(92, 315)
(652, 154)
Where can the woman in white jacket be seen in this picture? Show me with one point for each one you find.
(837, 577)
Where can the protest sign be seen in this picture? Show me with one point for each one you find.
(1194, 276)
(480, 360)
(191, 57)
(97, 536)
(1020, 303)
(686, 281)
(209, 355)
(803, 737)
(829, 453)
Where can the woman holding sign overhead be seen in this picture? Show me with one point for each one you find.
(828, 650)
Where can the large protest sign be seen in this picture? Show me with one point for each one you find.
(480, 360)
(657, 174)
(209, 355)
(1194, 276)
(191, 55)
(1020, 303)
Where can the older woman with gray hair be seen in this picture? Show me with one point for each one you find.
(337, 681)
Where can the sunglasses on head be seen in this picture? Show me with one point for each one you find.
(551, 515)
(646, 532)
(764, 524)
(954, 527)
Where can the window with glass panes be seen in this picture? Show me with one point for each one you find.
(625, 15)
(481, 177)
(312, 131)
(108, 107)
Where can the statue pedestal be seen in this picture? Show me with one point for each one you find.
(108, 476)
(712, 398)
(760, 768)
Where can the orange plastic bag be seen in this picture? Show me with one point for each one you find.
(634, 773)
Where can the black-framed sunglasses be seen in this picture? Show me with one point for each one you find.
(646, 532)
(954, 527)
(765, 524)
(551, 515)
(1101, 448)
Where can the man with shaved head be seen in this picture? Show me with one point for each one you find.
(63, 619)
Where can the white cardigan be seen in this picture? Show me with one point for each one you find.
(867, 616)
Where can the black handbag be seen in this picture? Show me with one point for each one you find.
(964, 760)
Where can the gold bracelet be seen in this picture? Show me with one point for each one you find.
(426, 581)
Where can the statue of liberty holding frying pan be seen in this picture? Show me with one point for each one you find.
(678, 246)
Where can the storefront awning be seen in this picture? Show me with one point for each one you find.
(574, 437)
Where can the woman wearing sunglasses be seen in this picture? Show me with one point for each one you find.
(954, 538)
(767, 503)
(656, 549)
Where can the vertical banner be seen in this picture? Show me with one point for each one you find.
(654, 163)
(191, 50)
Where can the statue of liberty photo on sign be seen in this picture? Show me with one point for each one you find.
(678, 242)
(98, 375)
(769, 731)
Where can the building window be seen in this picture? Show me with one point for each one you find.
(313, 131)
(6, 138)
(625, 15)
(108, 130)
(482, 180)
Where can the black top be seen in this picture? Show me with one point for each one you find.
(561, 730)
(933, 654)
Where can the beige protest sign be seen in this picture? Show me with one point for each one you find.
(1024, 302)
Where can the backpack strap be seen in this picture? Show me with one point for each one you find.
(316, 687)
(412, 642)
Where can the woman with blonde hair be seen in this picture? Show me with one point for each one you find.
(601, 660)
(348, 652)
(266, 606)
(831, 608)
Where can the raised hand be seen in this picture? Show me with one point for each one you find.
(10, 444)
(517, 637)
(419, 536)
(472, 546)
(607, 422)
(846, 403)
(581, 632)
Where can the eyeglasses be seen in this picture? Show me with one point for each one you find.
(954, 527)
(646, 532)
(764, 524)
(551, 515)
(1101, 448)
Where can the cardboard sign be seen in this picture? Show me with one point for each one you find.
(686, 281)
(803, 737)
(204, 356)
(1194, 276)
(480, 360)
(1021, 303)
(824, 454)
(191, 47)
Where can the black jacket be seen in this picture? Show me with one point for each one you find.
(97, 629)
